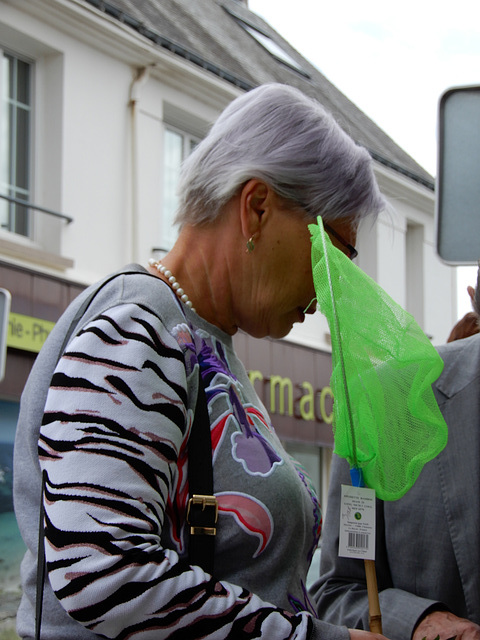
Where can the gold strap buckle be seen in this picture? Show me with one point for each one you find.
(205, 502)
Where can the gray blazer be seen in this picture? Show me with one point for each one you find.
(428, 542)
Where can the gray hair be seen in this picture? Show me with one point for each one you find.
(277, 134)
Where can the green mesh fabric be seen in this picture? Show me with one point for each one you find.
(386, 419)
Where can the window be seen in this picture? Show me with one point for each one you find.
(274, 47)
(177, 146)
(15, 118)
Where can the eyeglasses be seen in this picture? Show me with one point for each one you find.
(352, 252)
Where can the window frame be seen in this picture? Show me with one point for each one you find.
(9, 185)
(168, 230)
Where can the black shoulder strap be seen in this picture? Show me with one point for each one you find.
(40, 565)
(202, 506)
(202, 511)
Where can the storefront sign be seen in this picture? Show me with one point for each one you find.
(27, 333)
(300, 400)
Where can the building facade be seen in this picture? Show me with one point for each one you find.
(101, 101)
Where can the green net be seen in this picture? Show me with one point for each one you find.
(386, 419)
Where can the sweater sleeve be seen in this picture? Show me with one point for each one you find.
(114, 431)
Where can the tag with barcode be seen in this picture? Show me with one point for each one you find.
(357, 523)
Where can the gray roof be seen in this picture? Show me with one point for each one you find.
(209, 34)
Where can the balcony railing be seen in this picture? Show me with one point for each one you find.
(36, 239)
(35, 207)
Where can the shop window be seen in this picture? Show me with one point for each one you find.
(12, 546)
(15, 141)
(177, 146)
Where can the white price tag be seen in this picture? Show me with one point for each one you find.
(357, 523)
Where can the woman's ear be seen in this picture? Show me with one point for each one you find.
(254, 203)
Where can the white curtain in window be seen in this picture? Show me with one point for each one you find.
(172, 160)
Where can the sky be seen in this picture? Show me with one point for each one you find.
(393, 60)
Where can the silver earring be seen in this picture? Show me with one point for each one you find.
(250, 245)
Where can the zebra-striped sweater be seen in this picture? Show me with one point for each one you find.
(113, 442)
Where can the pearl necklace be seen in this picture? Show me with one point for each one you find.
(172, 281)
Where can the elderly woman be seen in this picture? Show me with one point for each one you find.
(118, 401)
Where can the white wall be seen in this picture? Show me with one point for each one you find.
(95, 159)
(409, 268)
